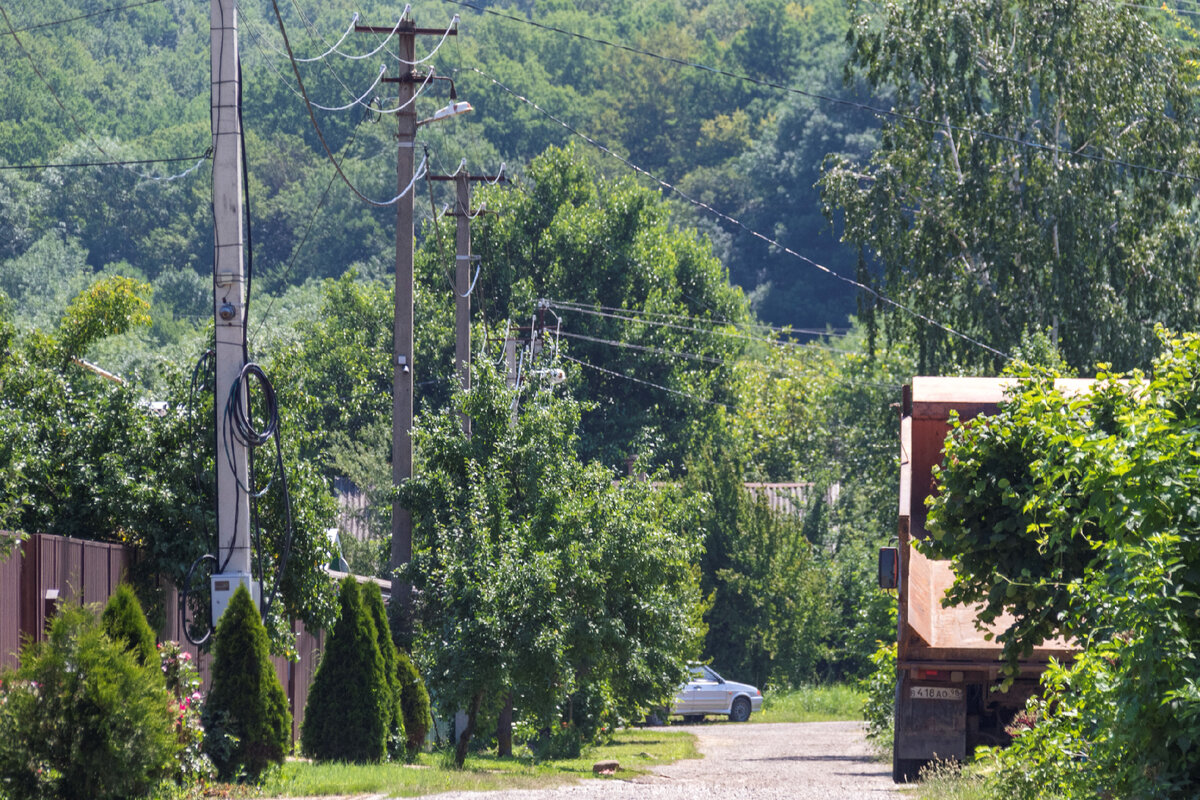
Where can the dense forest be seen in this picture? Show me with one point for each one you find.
(754, 221)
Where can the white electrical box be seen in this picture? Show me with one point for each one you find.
(223, 587)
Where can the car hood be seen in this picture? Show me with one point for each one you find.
(734, 686)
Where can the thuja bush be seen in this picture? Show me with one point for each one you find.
(125, 623)
(414, 703)
(82, 719)
(350, 703)
(372, 599)
(246, 718)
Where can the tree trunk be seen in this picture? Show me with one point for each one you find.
(504, 729)
(464, 739)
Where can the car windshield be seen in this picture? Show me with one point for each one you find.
(703, 673)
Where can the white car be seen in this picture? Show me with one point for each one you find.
(709, 693)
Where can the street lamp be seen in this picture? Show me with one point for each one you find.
(452, 110)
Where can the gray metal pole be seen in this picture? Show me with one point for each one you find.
(403, 367)
(462, 272)
(229, 282)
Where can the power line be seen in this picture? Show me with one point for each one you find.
(644, 382)
(420, 173)
(645, 348)
(732, 220)
(582, 309)
(879, 112)
(207, 154)
(81, 16)
(710, 320)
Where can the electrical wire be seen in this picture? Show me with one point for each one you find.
(37, 70)
(882, 113)
(708, 320)
(733, 221)
(321, 136)
(644, 382)
(83, 16)
(198, 159)
(349, 30)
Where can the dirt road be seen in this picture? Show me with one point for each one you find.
(782, 761)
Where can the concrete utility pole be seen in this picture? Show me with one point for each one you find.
(229, 309)
(403, 366)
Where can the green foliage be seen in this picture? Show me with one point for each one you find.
(579, 590)
(1096, 494)
(372, 598)
(771, 605)
(246, 714)
(414, 704)
(1053, 230)
(110, 306)
(125, 623)
(351, 704)
(81, 718)
(880, 688)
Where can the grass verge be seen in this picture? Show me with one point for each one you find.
(835, 701)
(636, 750)
(949, 781)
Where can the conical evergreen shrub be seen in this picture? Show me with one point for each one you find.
(246, 714)
(373, 602)
(348, 711)
(414, 703)
(126, 624)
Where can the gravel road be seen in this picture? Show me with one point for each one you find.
(779, 761)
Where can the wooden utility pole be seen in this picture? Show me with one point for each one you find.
(463, 279)
(229, 308)
(403, 364)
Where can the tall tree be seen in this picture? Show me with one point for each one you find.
(1038, 172)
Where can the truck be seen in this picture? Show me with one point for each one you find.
(949, 698)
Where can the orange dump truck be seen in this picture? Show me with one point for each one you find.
(948, 674)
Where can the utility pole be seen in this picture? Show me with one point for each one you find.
(403, 366)
(229, 310)
(462, 270)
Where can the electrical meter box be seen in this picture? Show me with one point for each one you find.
(223, 587)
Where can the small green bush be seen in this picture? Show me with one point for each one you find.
(124, 622)
(349, 705)
(414, 703)
(880, 687)
(247, 723)
(81, 719)
(373, 602)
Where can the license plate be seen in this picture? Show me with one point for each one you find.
(935, 693)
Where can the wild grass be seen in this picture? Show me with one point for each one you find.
(835, 701)
(636, 750)
(945, 780)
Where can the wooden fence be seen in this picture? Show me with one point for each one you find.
(46, 570)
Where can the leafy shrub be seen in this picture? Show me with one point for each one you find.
(880, 686)
(125, 623)
(192, 765)
(373, 603)
(246, 718)
(81, 719)
(414, 703)
(350, 704)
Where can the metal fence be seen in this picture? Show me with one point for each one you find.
(45, 571)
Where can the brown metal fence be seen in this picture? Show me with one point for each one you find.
(46, 570)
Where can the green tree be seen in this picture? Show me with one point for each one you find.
(1075, 513)
(537, 575)
(351, 705)
(372, 598)
(246, 715)
(82, 718)
(125, 623)
(414, 703)
(1036, 174)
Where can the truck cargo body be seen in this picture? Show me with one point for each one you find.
(948, 674)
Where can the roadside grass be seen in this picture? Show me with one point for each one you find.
(636, 750)
(827, 703)
(948, 781)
